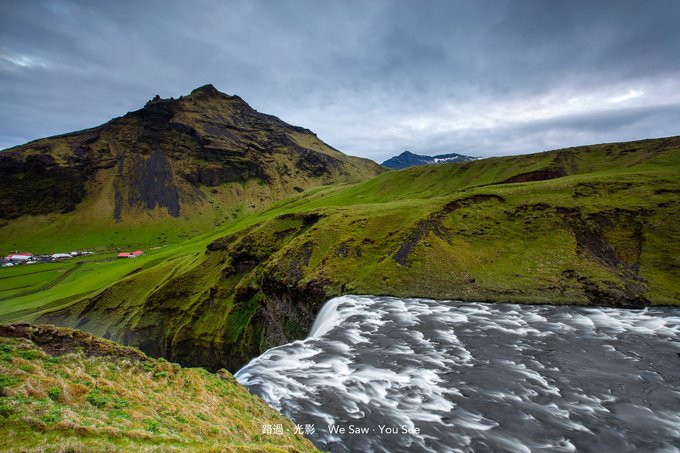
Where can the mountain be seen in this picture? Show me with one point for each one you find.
(187, 164)
(65, 390)
(408, 159)
(592, 225)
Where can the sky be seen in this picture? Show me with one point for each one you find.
(371, 78)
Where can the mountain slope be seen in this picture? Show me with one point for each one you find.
(63, 390)
(408, 159)
(190, 164)
(588, 225)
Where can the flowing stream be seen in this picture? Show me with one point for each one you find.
(387, 374)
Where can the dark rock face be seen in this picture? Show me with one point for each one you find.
(37, 185)
(317, 164)
(151, 183)
(162, 155)
(290, 310)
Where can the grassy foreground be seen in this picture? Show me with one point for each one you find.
(63, 390)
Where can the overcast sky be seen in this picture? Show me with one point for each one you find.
(371, 78)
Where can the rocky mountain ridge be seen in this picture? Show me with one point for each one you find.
(409, 159)
(169, 159)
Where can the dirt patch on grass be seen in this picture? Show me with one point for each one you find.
(594, 189)
(594, 235)
(538, 175)
(667, 192)
(297, 259)
(435, 224)
(591, 236)
(308, 218)
(58, 341)
(347, 249)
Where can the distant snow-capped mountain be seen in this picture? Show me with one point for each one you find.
(408, 159)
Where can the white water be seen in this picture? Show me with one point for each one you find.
(482, 377)
(327, 318)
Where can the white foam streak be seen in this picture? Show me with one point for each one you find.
(328, 318)
(474, 375)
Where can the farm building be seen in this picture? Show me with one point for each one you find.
(19, 257)
(61, 256)
(134, 254)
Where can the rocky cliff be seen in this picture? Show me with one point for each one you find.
(207, 152)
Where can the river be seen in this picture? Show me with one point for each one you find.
(387, 374)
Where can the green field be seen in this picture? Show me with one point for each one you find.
(588, 225)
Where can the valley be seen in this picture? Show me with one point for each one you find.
(587, 225)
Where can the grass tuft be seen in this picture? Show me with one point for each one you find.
(103, 403)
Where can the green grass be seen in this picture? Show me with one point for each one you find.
(603, 233)
(111, 402)
(253, 160)
(26, 279)
(74, 279)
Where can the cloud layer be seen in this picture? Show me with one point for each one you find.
(371, 78)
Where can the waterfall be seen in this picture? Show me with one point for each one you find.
(328, 317)
(390, 374)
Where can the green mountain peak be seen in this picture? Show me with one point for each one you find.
(201, 159)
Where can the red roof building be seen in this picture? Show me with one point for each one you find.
(134, 254)
(20, 256)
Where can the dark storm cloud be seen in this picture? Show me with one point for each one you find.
(371, 78)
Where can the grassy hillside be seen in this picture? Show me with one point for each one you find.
(167, 172)
(588, 225)
(62, 390)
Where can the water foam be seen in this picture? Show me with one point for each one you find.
(479, 376)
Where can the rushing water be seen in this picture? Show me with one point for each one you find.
(423, 375)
